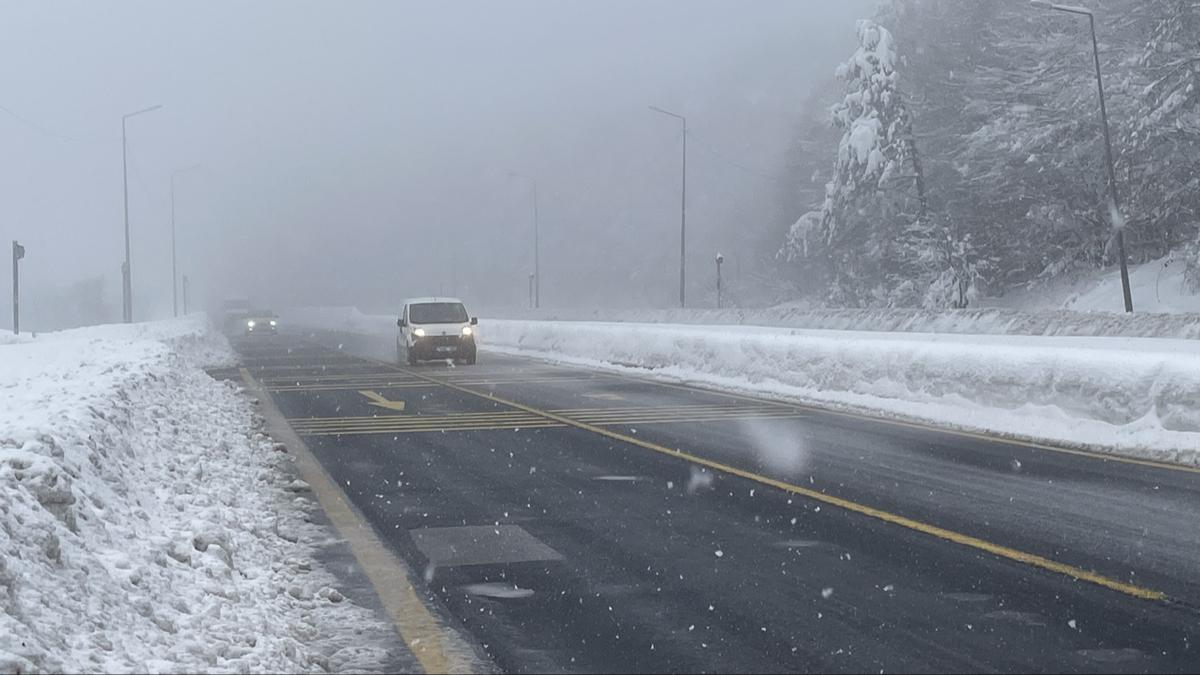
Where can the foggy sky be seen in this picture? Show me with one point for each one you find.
(356, 152)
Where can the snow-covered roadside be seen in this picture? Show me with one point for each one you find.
(1134, 396)
(147, 524)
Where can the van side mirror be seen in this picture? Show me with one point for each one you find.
(400, 323)
(474, 321)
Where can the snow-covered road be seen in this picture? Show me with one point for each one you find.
(147, 523)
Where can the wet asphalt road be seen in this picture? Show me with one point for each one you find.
(558, 548)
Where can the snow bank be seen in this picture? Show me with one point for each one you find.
(1134, 396)
(146, 523)
(986, 321)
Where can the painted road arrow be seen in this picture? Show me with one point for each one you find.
(378, 399)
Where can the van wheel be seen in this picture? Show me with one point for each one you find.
(412, 358)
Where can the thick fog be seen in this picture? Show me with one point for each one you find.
(360, 152)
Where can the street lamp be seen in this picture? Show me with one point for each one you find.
(537, 272)
(1115, 204)
(126, 272)
(174, 268)
(682, 203)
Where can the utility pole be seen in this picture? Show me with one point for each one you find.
(185, 294)
(720, 259)
(682, 206)
(531, 276)
(1114, 201)
(126, 271)
(18, 252)
(537, 270)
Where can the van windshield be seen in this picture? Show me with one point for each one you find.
(437, 312)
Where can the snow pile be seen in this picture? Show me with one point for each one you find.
(988, 320)
(1133, 396)
(146, 523)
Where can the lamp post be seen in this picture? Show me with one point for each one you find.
(537, 272)
(682, 204)
(185, 294)
(126, 272)
(1114, 201)
(720, 259)
(174, 267)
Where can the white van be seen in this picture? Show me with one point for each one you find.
(435, 329)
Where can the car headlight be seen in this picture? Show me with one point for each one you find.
(420, 332)
(273, 323)
(250, 324)
(467, 330)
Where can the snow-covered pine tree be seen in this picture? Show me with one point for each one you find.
(876, 190)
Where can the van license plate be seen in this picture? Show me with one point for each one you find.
(446, 349)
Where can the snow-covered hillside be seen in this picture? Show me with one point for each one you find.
(1157, 287)
(146, 523)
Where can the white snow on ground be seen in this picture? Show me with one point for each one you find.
(1135, 396)
(1156, 287)
(146, 524)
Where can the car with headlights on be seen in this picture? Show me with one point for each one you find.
(435, 329)
(262, 322)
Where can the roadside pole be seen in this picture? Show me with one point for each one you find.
(185, 294)
(720, 259)
(18, 252)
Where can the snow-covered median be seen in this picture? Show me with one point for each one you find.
(145, 521)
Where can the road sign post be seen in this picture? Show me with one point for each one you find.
(18, 252)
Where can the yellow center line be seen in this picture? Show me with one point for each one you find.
(517, 416)
(914, 424)
(846, 504)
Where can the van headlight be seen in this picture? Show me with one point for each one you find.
(250, 324)
(273, 323)
(467, 330)
(420, 332)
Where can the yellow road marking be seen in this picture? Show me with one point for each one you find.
(913, 424)
(511, 420)
(380, 401)
(436, 647)
(879, 514)
(579, 413)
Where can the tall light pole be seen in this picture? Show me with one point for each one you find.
(174, 268)
(126, 272)
(682, 205)
(537, 271)
(1115, 203)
